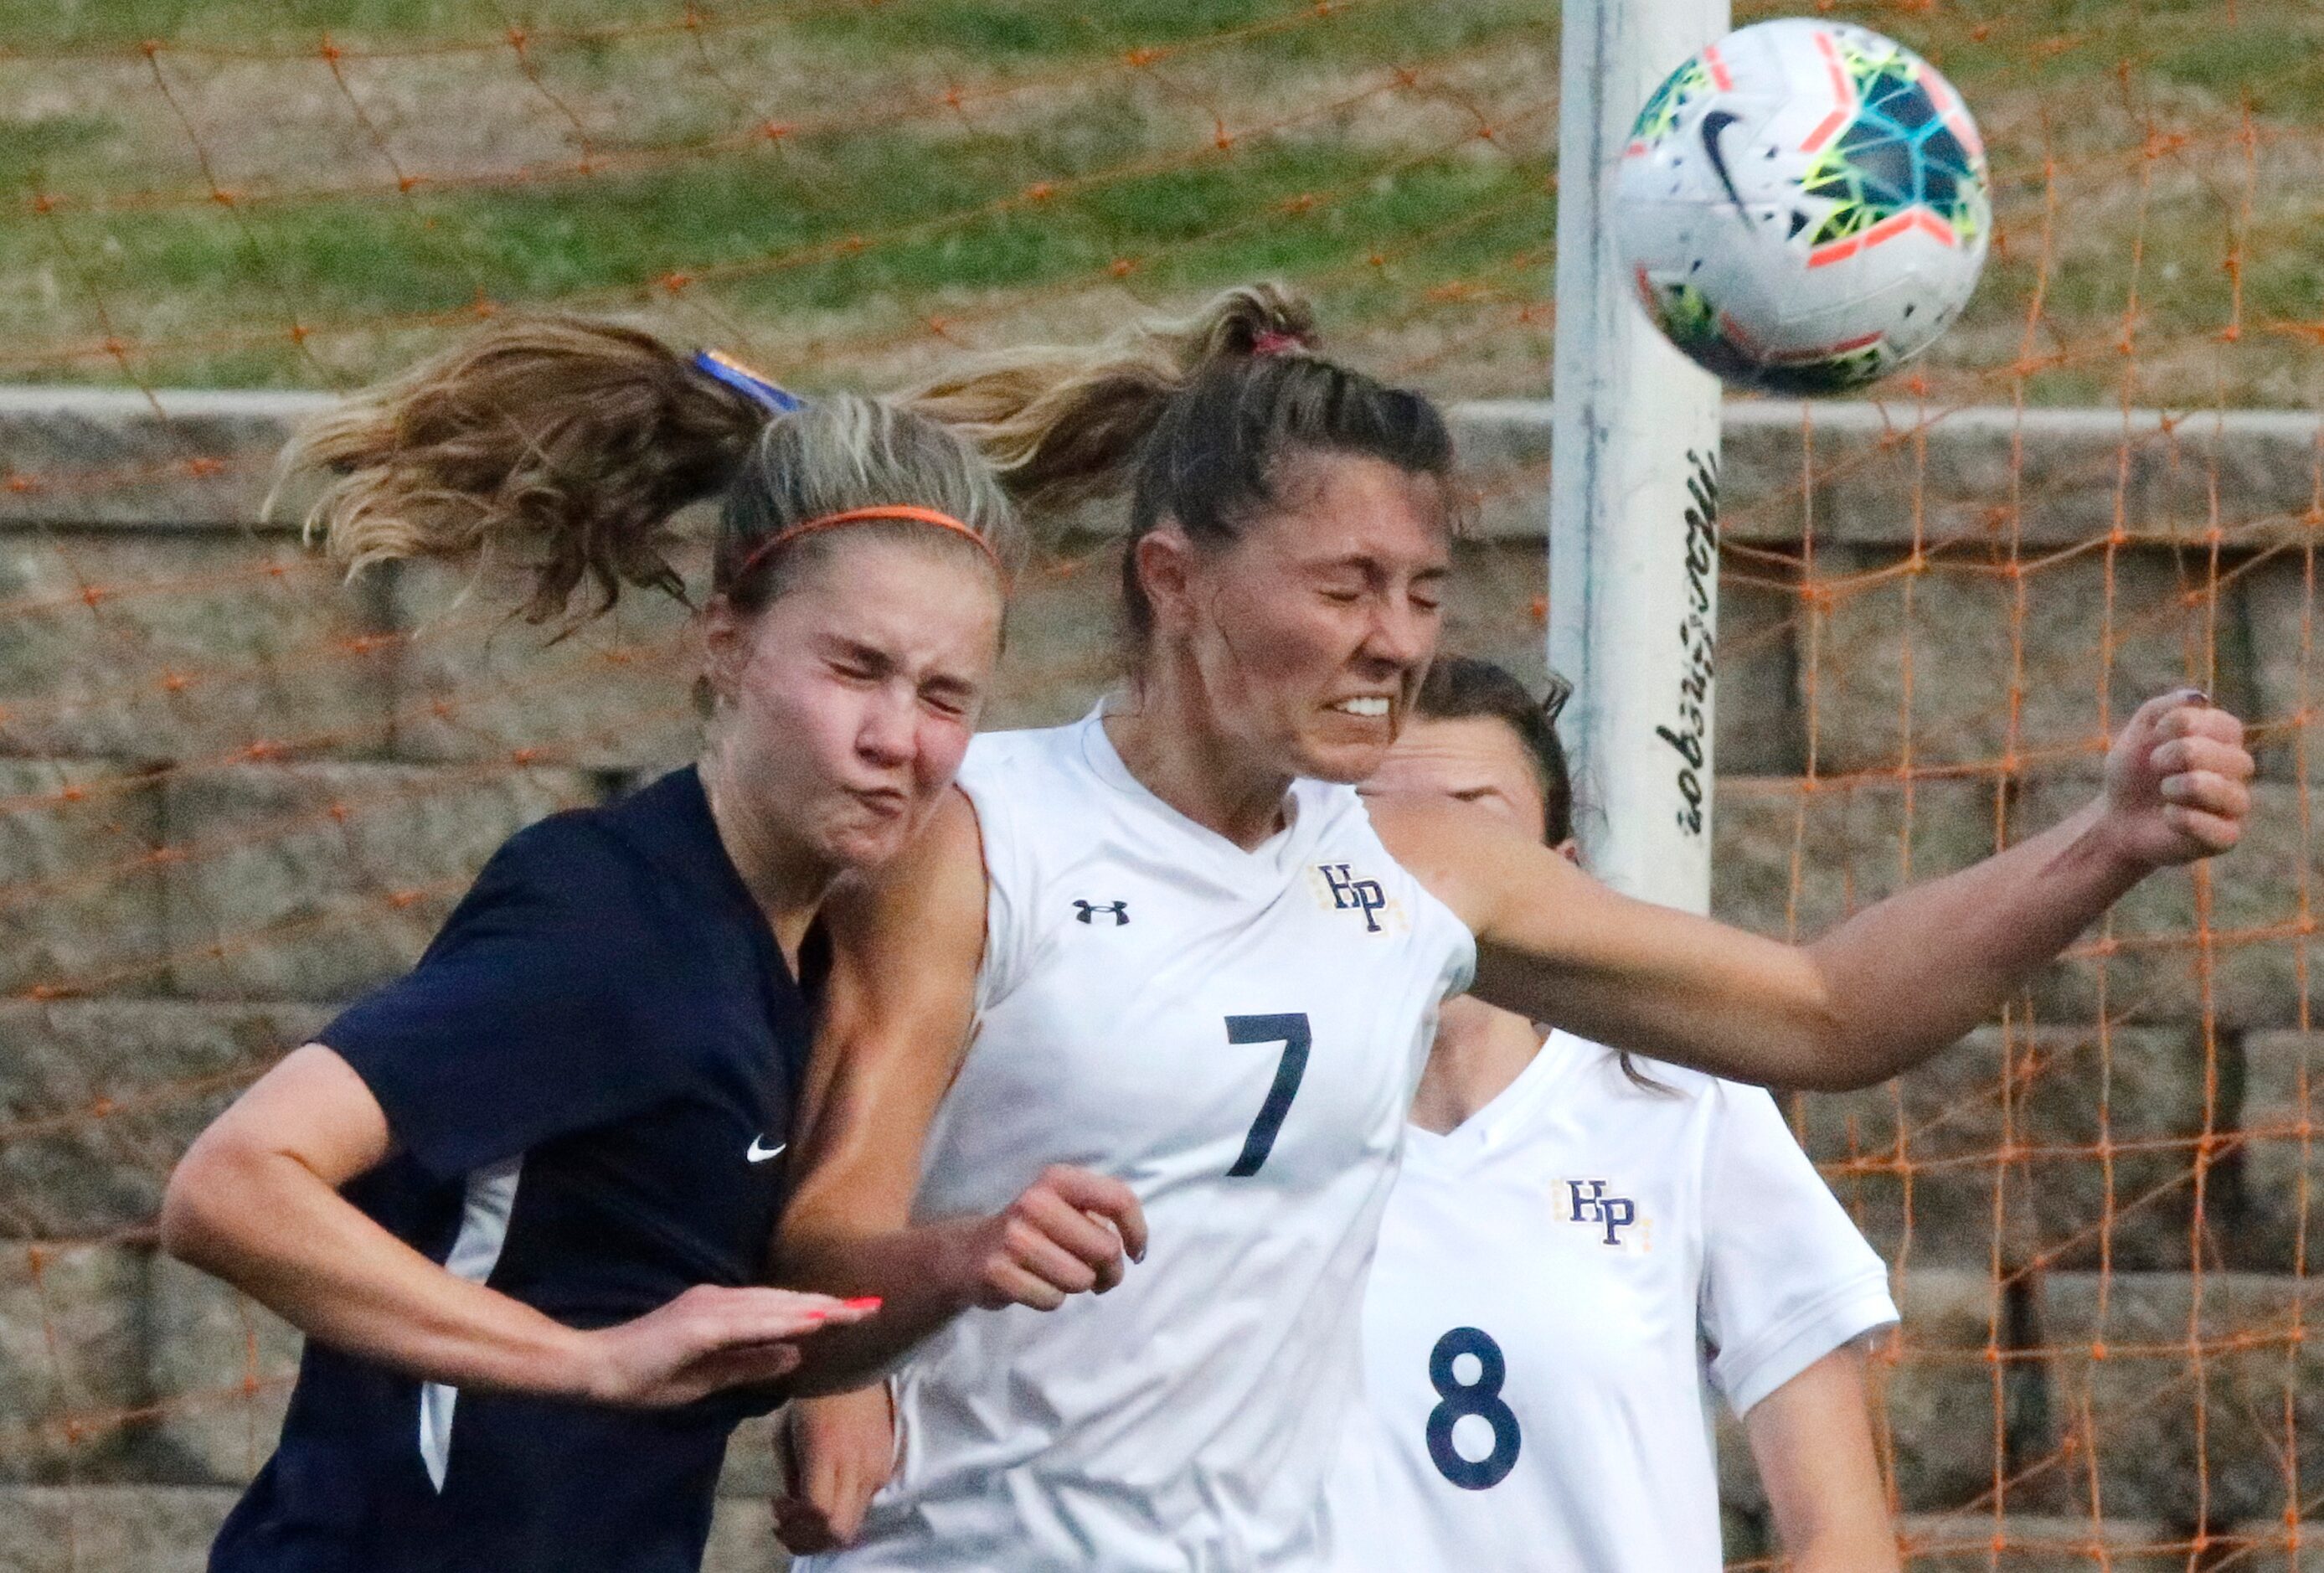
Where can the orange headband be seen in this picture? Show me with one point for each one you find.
(904, 510)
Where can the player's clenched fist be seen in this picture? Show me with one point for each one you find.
(2175, 782)
(1066, 1233)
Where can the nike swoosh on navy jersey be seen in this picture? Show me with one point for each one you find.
(757, 1155)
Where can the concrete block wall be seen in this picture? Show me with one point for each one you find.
(234, 790)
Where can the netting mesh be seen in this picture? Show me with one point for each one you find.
(234, 790)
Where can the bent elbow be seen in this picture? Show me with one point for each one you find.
(195, 1205)
(1837, 1054)
(810, 1255)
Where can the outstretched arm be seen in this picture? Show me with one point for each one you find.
(897, 1014)
(1813, 1443)
(1875, 995)
(257, 1202)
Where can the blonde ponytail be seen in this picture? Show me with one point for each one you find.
(564, 444)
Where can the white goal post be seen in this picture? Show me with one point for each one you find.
(1633, 539)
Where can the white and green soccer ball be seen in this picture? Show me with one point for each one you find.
(1802, 207)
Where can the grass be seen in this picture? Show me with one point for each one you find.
(623, 160)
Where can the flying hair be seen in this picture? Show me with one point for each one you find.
(1063, 423)
(564, 444)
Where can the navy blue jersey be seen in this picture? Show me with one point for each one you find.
(587, 1079)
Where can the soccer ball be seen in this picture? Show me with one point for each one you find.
(1803, 205)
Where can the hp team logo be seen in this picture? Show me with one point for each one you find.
(1339, 887)
(1587, 1203)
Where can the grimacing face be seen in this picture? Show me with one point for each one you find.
(850, 699)
(1311, 631)
(1475, 759)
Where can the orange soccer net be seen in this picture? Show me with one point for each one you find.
(234, 790)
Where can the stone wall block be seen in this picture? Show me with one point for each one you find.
(1855, 842)
(1742, 1494)
(192, 646)
(478, 683)
(1765, 481)
(220, 1369)
(1885, 475)
(1494, 607)
(1936, 1395)
(2064, 491)
(2132, 1357)
(1504, 448)
(1948, 481)
(2045, 477)
(110, 1528)
(742, 1538)
(1761, 730)
(1957, 628)
(2285, 629)
(72, 1339)
(1975, 1542)
(753, 1466)
(81, 899)
(316, 881)
(2291, 1545)
(2016, 1113)
(137, 457)
(2254, 479)
(1064, 646)
(2149, 963)
(2282, 1156)
(100, 1097)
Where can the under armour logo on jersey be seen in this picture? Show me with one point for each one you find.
(1364, 895)
(1592, 1206)
(1087, 912)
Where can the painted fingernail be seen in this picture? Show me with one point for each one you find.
(2195, 697)
(862, 1302)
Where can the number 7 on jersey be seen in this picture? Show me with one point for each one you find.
(1290, 1031)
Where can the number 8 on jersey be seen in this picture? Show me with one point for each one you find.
(1480, 1398)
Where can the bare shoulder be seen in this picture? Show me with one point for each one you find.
(932, 890)
(1466, 857)
(906, 943)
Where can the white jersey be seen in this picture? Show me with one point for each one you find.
(1561, 1283)
(1238, 1036)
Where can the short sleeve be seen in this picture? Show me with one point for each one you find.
(1787, 1278)
(533, 1013)
(1008, 873)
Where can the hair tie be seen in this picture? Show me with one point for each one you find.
(1272, 341)
(907, 512)
(726, 369)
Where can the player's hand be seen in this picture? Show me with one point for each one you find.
(2175, 782)
(1066, 1235)
(840, 1451)
(708, 1340)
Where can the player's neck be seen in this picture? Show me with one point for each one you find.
(1479, 1051)
(1167, 743)
(788, 883)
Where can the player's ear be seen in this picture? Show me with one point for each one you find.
(725, 647)
(1164, 557)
